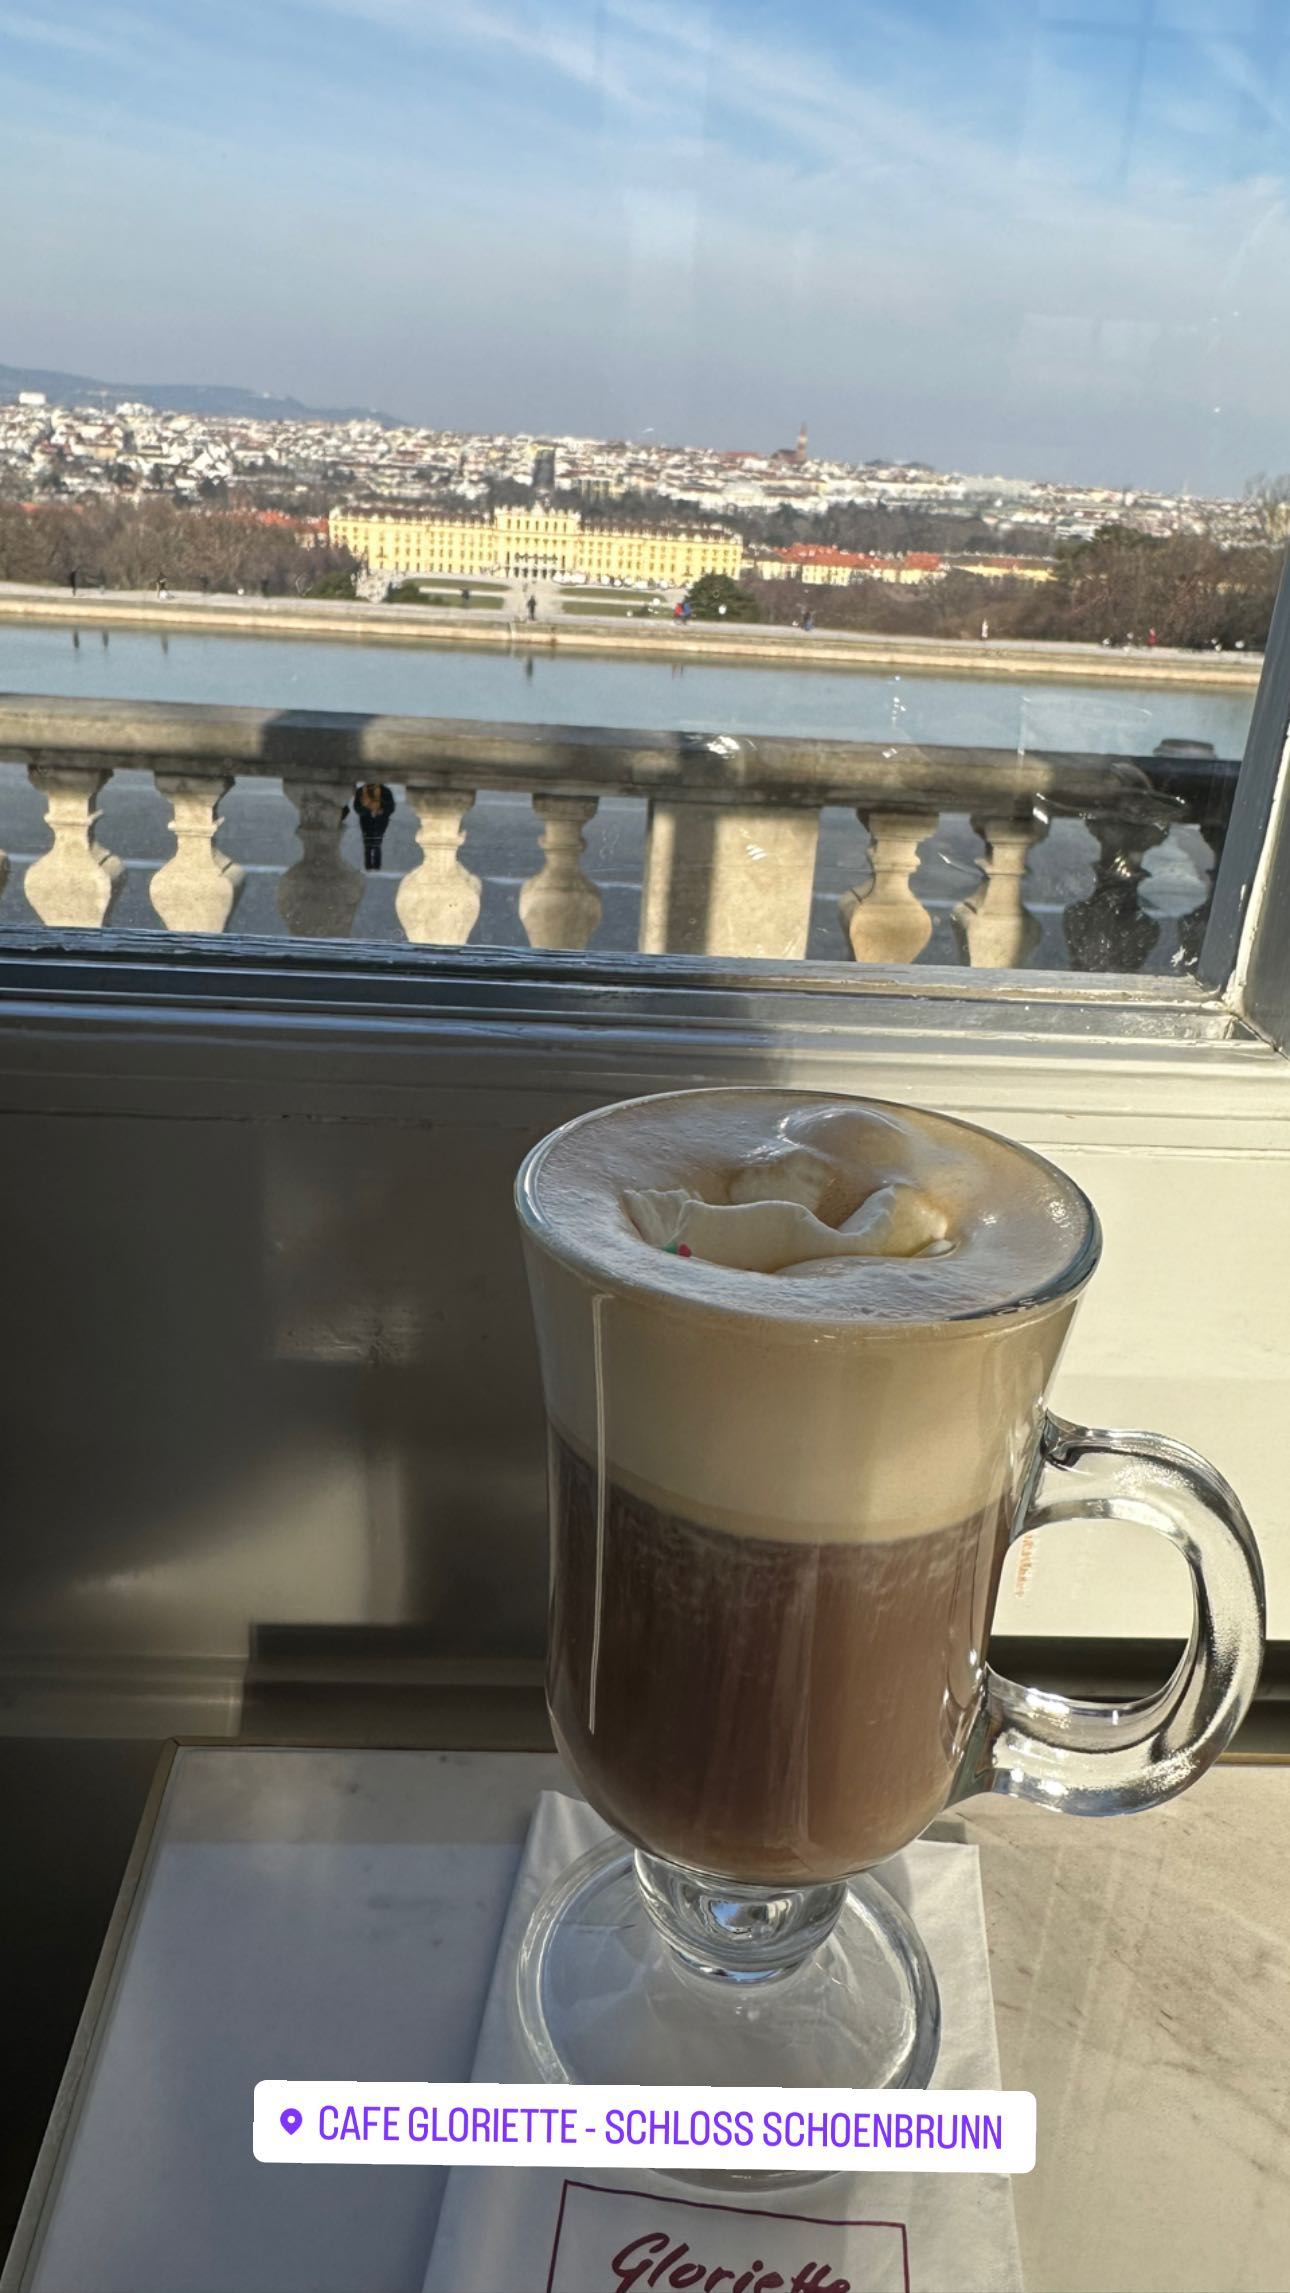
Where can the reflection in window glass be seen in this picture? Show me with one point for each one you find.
(867, 426)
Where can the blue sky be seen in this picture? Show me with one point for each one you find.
(1041, 237)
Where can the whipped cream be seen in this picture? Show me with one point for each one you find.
(794, 1315)
(854, 1199)
(766, 1236)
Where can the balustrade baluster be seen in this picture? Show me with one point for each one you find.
(438, 902)
(885, 921)
(560, 906)
(728, 880)
(1189, 769)
(198, 890)
(318, 896)
(1192, 927)
(77, 881)
(1110, 930)
(993, 926)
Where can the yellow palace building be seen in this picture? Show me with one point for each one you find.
(531, 545)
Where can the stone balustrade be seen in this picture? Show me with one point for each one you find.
(733, 825)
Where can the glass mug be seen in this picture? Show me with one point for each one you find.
(779, 1508)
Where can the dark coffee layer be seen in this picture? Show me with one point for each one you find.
(763, 1710)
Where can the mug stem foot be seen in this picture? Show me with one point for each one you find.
(832, 1988)
(735, 1934)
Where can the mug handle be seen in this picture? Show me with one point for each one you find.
(1116, 1759)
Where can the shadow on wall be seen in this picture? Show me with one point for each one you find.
(277, 1367)
(272, 1372)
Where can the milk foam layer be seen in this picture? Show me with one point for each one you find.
(847, 1393)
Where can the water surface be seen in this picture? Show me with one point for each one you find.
(293, 672)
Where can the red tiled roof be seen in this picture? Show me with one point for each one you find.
(818, 553)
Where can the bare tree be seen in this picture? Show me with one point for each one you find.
(134, 541)
(1269, 497)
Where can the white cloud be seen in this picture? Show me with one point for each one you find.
(36, 28)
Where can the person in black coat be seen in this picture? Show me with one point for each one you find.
(373, 804)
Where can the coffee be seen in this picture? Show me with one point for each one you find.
(768, 1711)
(794, 1351)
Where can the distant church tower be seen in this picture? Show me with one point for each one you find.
(799, 452)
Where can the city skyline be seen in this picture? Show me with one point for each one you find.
(1047, 241)
(171, 399)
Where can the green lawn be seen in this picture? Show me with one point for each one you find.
(478, 600)
(614, 596)
(616, 608)
(458, 581)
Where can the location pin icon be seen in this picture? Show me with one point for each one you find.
(291, 2121)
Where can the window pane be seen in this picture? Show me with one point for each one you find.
(866, 427)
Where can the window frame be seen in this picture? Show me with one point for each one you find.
(1245, 957)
